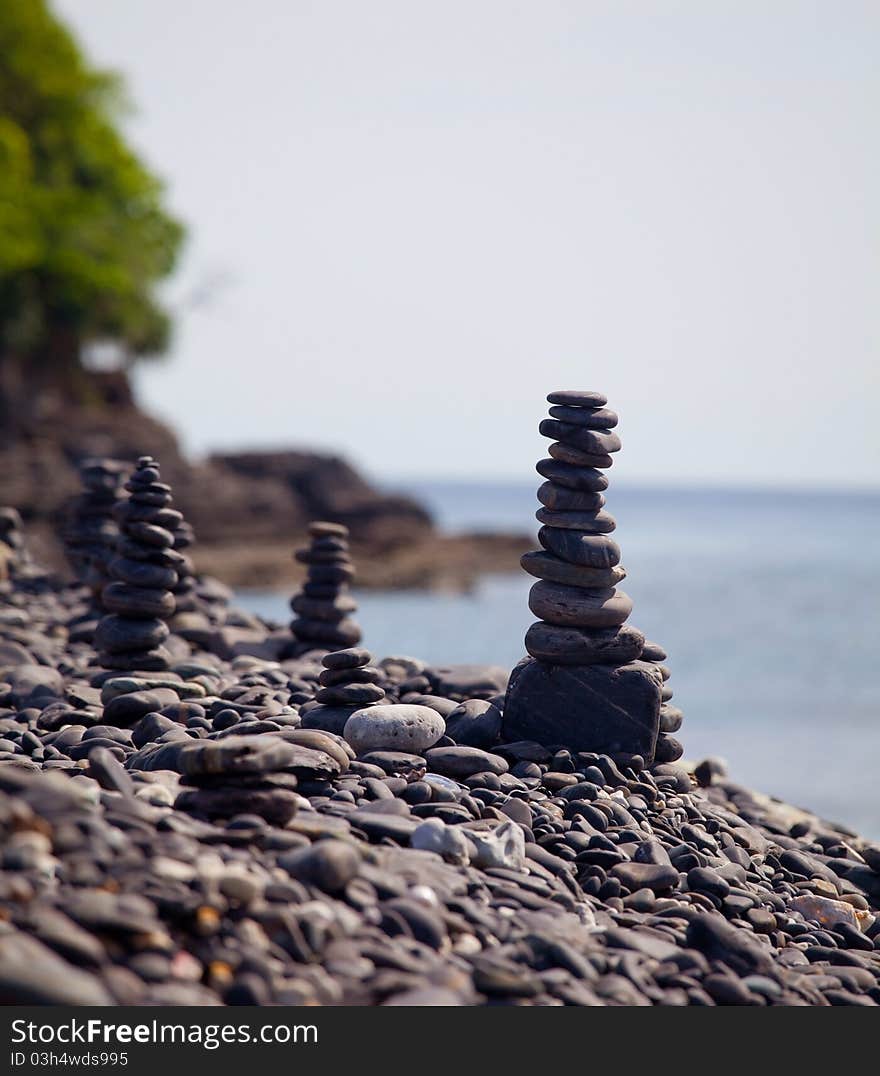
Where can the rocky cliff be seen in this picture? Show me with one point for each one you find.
(248, 509)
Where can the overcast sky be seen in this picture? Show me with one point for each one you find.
(414, 218)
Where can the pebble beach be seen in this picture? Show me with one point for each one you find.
(201, 807)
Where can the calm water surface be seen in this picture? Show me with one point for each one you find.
(767, 603)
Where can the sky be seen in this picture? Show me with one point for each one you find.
(412, 220)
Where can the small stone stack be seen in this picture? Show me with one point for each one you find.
(90, 532)
(348, 683)
(323, 605)
(15, 559)
(144, 570)
(588, 684)
(238, 775)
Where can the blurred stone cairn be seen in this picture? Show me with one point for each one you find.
(591, 681)
(90, 531)
(323, 606)
(15, 560)
(144, 571)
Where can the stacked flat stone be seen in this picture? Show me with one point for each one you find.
(90, 533)
(184, 589)
(144, 572)
(324, 604)
(587, 683)
(668, 748)
(348, 683)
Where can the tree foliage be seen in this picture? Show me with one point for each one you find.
(83, 236)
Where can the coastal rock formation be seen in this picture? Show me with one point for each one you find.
(590, 682)
(140, 599)
(348, 683)
(324, 606)
(90, 531)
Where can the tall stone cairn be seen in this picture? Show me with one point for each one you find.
(144, 572)
(90, 531)
(322, 608)
(591, 682)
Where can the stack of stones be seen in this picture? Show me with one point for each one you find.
(90, 533)
(589, 683)
(238, 775)
(144, 570)
(324, 605)
(348, 683)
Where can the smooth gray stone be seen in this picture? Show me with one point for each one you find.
(602, 708)
(653, 652)
(116, 633)
(344, 633)
(596, 441)
(322, 528)
(574, 646)
(137, 602)
(668, 749)
(461, 761)
(131, 512)
(592, 550)
(155, 659)
(567, 454)
(350, 695)
(577, 398)
(594, 418)
(474, 723)
(545, 565)
(670, 718)
(571, 476)
(123, 711)
(354, 657)
(142, 574)
(562, 499)
(339, 572)
(399, 727)
(555, 603)
(366, 674)
(588, 522)
(323, 608)
(149, 534)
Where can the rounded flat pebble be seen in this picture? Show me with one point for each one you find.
(562, 499)
(545, 565)
(577, 457)
(565, 606)
(592, 550)
(598, 418)
(572, 476)
(598, 442)
(577, 398)
(397, 727)
(573, 646)
(588, 522)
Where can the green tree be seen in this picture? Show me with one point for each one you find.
(83, 236)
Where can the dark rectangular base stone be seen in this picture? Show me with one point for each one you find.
(601, 708)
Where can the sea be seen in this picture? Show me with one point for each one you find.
(766, 601)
